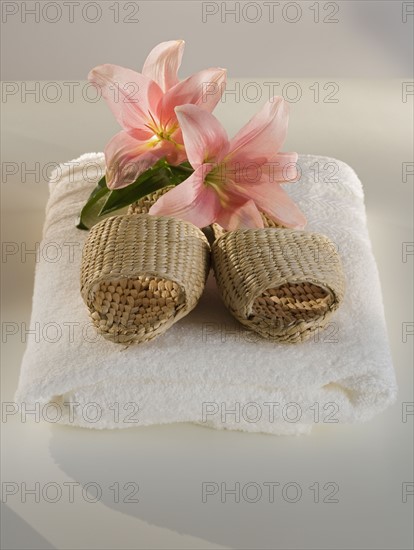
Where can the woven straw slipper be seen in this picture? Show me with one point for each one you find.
(218, 231)
(282, 283)
(140, 274)
(143, 205)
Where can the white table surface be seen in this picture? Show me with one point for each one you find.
(370, 129)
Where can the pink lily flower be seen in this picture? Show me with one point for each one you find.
(234, 181)
(144, 106)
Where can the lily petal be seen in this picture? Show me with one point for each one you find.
(282, 169)
(127, 157)
(204, 89)
(241, 215)
(174, 154)
(192, 200)
(131, 96)
(163, 62)
(261, 138)
(205, 139)
(272, 199)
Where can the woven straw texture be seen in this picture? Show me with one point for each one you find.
(142, 273)
(282, 283)
(143, 205)
(218, 231)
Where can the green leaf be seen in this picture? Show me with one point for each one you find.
(118, 198)
(103, 201)
(90, 212)
(153, 179)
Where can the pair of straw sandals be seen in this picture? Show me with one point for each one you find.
(140, 274)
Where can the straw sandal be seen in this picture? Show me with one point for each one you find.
(283, 284)
(140, 274)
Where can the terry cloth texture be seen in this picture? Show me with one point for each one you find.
(207, 368)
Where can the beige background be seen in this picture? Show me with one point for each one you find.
(370, 127)
(359, 38)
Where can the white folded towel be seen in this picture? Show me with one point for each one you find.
(207, 368)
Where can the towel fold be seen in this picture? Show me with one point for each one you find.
(207, 368)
